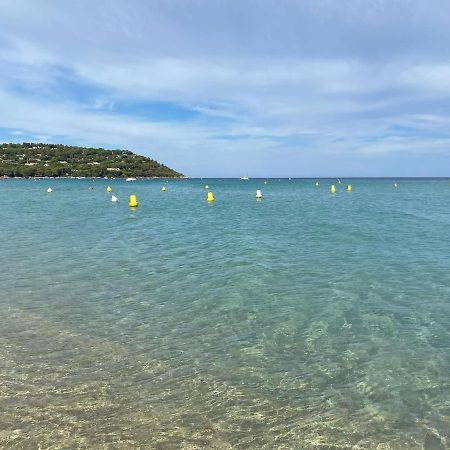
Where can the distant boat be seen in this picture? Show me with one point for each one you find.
(245, 178)
(130, 179)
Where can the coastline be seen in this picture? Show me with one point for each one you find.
(90, 178)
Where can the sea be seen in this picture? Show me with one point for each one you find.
(304, 320)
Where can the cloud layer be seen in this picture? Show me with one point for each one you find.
(216, 88)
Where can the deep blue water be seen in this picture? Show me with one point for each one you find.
(305, 320)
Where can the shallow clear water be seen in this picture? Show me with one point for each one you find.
(305, 320)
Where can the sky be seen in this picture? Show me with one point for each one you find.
(264, 88)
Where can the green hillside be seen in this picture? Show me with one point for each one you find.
(56, 160)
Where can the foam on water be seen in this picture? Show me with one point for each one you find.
(305, 320)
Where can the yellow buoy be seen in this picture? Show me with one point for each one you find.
(163, 189)
(333, 189)
(349, 188)
(210, 197)
(108, 189)
(49, 190)
(133, 201)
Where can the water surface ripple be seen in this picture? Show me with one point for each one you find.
(303, 321)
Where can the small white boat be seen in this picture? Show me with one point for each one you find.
(245, 178)
(130, 179)
(114, 199)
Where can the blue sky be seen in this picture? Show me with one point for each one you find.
(226, 88)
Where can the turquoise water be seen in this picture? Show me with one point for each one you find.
(303, 321)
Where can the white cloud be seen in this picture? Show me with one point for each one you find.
(314, 77)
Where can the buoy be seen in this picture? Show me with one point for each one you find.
(258, 193)
(114, 199)
(339, 181)
(317, 183)
(395, 185)
(206, 186)
(133, 201)
(163, 189)
(108, 189)
(210, 197)
(349, 188)
(333, 189)
(265, 182)
(49, 190)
